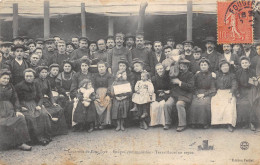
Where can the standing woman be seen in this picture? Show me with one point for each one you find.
(223, 104)
(13, 128)
(81, 115)
(102, 82)
(204, 89)
(59, 127)
(37, 118)
(246, 79)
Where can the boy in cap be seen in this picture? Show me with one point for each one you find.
(6, 49)
(18, 65)
(18, 40)
(32, 46)
(39, 42)
(170, 41)
(148, 45)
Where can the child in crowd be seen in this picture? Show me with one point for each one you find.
(138, 68)
(86, 88)
(171, 59)
(121, 92)
(143, 96)
(196, 52)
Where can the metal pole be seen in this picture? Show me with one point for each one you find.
(46, 19)
(110, 26)
(83, 20)
(15, 20)
(189, 20)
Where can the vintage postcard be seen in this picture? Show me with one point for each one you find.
(133, 82)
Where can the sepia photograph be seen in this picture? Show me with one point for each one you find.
(129, 82)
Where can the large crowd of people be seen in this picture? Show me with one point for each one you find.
(50, 86)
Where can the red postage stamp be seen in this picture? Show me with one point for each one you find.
(235, 21)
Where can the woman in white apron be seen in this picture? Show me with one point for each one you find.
(223, 104)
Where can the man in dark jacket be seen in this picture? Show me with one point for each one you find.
(211, 53)
(82, 51)
(157, 56)
(142, 53)
(181, 92)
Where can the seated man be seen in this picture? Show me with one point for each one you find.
(181, 92)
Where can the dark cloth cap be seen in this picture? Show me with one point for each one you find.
(7, 44)
(148, 42)
(210, 39)
(167, 47)
(92, 42)
(54, 65)
(137, 60)
(244, 58)
(83, 38)
(18, 38)
(18, 46)
(188, 41)
(4, 72)
(184, 61)
(29, 70)
(30, 42)
(39, 40)
(123, 60)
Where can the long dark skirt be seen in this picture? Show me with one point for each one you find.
(256, 104)
(38, 121)
(84, 114)
(120, 108)
(245, 111)
(58, 127)
(13, 130)
(200, 111)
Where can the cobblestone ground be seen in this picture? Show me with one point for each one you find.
(136, 146)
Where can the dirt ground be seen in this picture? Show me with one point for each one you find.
(136, 146)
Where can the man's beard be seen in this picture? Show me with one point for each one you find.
(210, 48)
(226, 51)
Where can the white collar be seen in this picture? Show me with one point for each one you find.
(210, 52)
(20, 62)
(229, 54)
